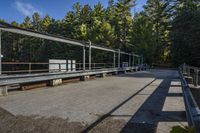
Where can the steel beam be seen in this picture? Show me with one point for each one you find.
(83, 58)
(114, 56)
(102, 48)
(142, 60)
(13, 29)
(21, 31)
(124, 53)
(138, 60)
(90, 58)
(133, 60)
(41, 35)
(119, 59)
(20, 79)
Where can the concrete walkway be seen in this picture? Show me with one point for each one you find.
(149, 101)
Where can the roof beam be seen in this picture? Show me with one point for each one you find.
(40, 35)
(102, 48)
(17, 30)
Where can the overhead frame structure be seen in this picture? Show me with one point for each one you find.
(13, 29)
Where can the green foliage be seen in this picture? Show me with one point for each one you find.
(166, 31)
(144, 38)
(185, 34)
(179, 129)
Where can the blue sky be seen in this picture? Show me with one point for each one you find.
(11, 10)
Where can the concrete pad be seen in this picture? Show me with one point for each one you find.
(82, 101)
(55, 82)
(173, 109)
(3, 90)
(140, 98)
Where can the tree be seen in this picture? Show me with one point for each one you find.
(45, 23)
(36, 21)
(144, 38)
(185, 34)
(158, 12)
(27, 23)
(123, 23)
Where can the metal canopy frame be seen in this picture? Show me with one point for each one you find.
(17, 30)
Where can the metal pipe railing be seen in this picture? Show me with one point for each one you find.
(17, 30)
(192, 108)
(32, 66)
(191, 71)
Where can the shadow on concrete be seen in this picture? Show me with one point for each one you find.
(144, 74)
(174, 94)
(102, 118)
(175, 85)
(158, 74)
(150, 113)
(147, 117)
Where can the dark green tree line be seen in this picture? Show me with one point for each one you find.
(166, 31)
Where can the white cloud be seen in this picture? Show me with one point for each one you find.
(26, 9)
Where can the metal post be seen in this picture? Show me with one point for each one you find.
(114, 60)
(184, 68)
(138, 60)
(90, 55)
(196, 82)
(119, 58)
(133, 60)
(29, 67)
(59, 67)
(139, 63)
(0, 55)
(84, 58)
(188, 70)
(142, 60)
(129, 62)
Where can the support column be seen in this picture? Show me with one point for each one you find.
(138, 60)
(83, 58)
(142, 59)
(139, 63)
(84, 78)
(133, 60)
(184, 68)
(119, 58)
(90, 59)
(114, 65)
(196, 80)
(55, 82)
(0, 56)
(142, 62)
(103, 75)
(3, 90)
(129, 62)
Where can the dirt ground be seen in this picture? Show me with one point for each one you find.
(31, 124)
